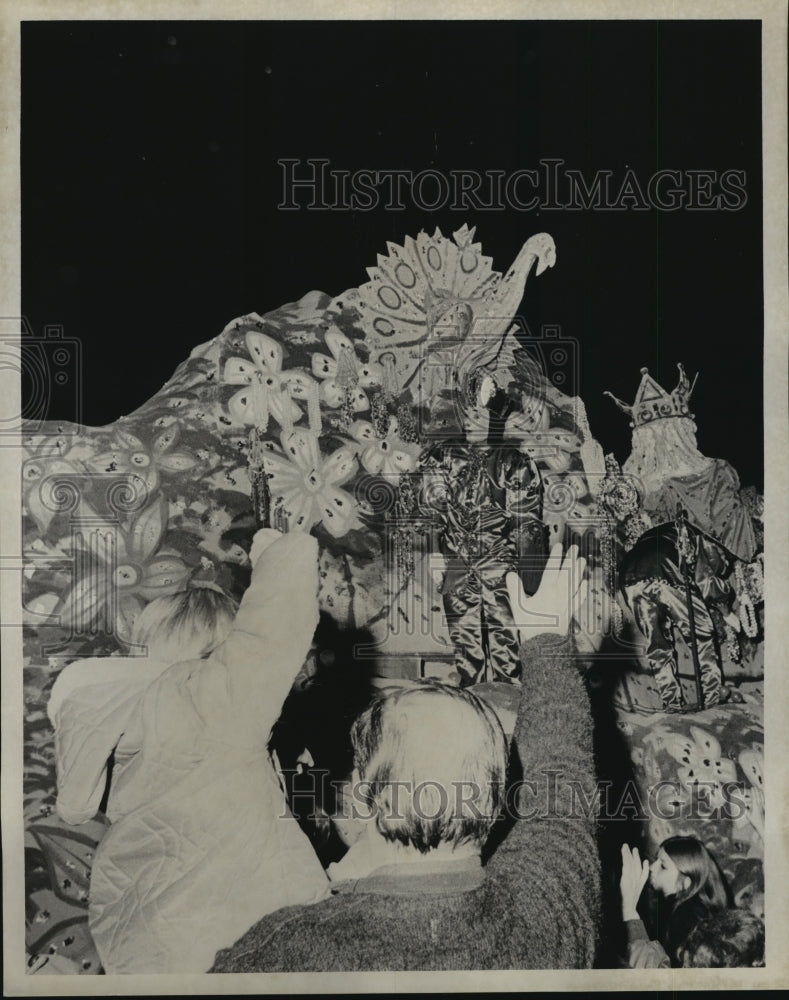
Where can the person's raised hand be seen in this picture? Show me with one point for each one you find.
(593, 617)
(559, 597)
(635, 873)
(261, 540)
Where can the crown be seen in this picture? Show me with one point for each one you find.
(652, 402)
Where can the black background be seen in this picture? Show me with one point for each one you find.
(150, 189)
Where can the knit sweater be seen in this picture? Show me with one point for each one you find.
(641, 952)
(534, 905)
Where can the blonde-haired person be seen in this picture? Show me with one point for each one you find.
(202, 842)
(92, 702)
(187, 625)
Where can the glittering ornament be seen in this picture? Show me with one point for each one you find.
(406, 509)
(261, 493)
(754, 579)
(748, 619)
(379, 414)
(620, 496)
(731, 644)
(618, 619)
(634, 527)
(685, 546)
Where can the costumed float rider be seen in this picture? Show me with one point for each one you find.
(653, 584)
(490, 521)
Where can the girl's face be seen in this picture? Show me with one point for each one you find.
(664, 876)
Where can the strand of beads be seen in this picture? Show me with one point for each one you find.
(261, 493)
(406, 424)
(379, 414)
(747, 612)
(405, 509)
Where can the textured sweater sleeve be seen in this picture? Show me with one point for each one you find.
(548, 864)
(641, 952)
(240, 689)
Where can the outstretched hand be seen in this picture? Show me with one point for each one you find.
(261, 540)
(264, 537)
(559, 597)
(635, 873)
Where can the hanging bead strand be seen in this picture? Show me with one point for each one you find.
(261, 493)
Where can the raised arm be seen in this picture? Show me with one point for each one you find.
(550, 854)
(549, 860)
(241, 687)
(641, 953)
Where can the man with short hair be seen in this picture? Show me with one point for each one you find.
(412, 892)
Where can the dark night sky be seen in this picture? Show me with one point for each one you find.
(150, 189)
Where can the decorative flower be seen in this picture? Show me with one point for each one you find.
(344, 373)
(50, 463)
(130, 455)
(752, 762)
(703, 764)
(386, 456)
(671, 799)
(277, 389)
(125, 571)
(748, 803)
(307, 483)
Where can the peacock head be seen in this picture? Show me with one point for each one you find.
(545, 250)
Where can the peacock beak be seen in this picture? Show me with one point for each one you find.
(546, 261)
